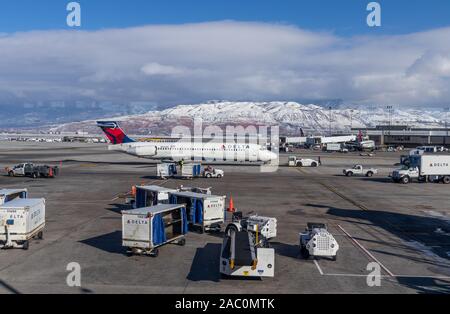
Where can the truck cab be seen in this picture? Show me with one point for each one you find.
(405, 174)
(21, 170)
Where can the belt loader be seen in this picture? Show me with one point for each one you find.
(245, 249)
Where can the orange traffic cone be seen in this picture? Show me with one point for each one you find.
(231, 208)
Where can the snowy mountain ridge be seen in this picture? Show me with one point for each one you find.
(290, 116)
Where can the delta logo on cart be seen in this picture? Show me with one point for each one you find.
(137, 222)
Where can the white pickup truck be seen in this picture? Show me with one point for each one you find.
(360, 171)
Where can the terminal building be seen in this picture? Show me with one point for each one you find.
(407, 136)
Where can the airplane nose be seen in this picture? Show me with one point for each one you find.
(273, 156)
(267, 156)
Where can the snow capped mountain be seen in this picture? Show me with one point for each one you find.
(290, 116)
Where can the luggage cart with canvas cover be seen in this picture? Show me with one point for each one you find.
(7, 195)
(151, 195)
(146, 229)
(204, 212)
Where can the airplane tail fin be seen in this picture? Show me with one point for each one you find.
(114, 133)
(360, 136)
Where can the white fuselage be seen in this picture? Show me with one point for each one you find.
(228, 152)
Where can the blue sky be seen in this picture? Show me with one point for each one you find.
(188, 51)
(342, 17)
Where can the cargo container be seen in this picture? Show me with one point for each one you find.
(333, 147)
(146, 229)
(166, 170)
(7, 195)
(21, 220)
(191, 170)
(204, 212)
(151, 195)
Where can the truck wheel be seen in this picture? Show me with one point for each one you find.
(40, 235)
(405, 180)
(349, 174)
(219, 176)
(34, 175)
(305, 253)
(25, 245)
(446, 180)
(314, 164)
(208, 175)
(231, 228)
(11, 174)
(370, 174)
(299, 164)
(154, 253)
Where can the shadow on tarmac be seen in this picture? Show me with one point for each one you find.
(428, 235)
(108, 242)
(206, 262)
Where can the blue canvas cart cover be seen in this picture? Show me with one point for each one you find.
(185, 221)
(159, 232)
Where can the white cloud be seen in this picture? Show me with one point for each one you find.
(223, 60)
(153, 69)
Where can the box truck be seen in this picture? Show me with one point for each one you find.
(20, 221)
(426, 168)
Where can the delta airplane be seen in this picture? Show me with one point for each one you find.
(185, 151)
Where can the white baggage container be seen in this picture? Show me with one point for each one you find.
(146, 229)
(191, 170)
(7, 195)
(204, 212)
(20, 221)
(151, 195)
(166, 170)
(432, 165)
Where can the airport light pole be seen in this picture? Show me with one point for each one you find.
(390, 110)
(351, 120)
(446, 124)
(330, 121)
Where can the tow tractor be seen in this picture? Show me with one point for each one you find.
(316, 241)
(211, 172)
(295, 161)
(245, 249)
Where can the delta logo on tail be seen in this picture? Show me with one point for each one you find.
(114, 133)
(360, 136)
